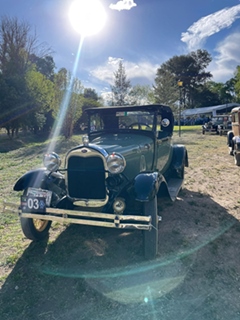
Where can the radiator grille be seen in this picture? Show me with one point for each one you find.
(86, 178)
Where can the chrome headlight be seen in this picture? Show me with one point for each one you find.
(116, 163)
(52, 161)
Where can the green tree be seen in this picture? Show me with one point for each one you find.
(17, 44)
(166, 89)
(89, 93)
(188, 69)
(44, 65)
(41, 97)
(12, 103)
(90, 100)
(66, 86)
(121, 87)
(141, 95)
(236, 84)
(222, 92)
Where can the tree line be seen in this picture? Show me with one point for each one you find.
(32, 92)
(181, 80)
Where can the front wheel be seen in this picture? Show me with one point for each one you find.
(35, 229)
(150, 238)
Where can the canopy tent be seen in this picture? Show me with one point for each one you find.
(213, 110)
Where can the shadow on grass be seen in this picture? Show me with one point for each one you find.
(96, 273)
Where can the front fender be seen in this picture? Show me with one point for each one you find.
(33, 178)
(146, 185)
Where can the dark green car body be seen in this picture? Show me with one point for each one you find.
(114, 178)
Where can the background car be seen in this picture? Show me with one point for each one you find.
(217, 124)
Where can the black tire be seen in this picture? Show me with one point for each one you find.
(150, 238)
(237, 159)
(35, 229)
(230, 136)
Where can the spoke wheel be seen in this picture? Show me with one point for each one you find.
(35, 229)
(40, 225)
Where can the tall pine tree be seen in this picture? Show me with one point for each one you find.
(121, 87)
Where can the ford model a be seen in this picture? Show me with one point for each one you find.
(113, 179)
(233, 136)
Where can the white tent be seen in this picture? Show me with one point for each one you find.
(213, 110)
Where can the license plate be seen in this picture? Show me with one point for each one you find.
(40, 193)
(33, 204)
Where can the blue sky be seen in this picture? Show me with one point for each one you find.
(144, 33)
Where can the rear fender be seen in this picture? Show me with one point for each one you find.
(33, 178)
(146, 185)
(179, 157)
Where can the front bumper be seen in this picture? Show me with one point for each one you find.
(90, 218)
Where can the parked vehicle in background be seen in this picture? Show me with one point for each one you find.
(113, 179)
(233, 136)
(217, 124)
(225, 125)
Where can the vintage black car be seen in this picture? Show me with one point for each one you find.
(113, 179)
(219, 124)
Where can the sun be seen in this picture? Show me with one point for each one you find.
(87, 16)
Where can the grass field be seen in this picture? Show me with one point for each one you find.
(89, 273)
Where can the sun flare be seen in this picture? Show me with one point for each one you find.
(87, 16)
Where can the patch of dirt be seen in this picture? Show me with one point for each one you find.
(93, 273)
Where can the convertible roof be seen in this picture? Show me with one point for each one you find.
(150, 107)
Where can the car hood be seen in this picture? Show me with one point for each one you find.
(122, 143)
(137, 150)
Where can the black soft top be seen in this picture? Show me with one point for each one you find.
(150, 107)
(157, 109)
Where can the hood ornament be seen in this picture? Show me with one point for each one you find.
(85, 140)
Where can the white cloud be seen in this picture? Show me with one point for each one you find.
(209, 25)
(123, 5)
(227, 59)
(134, 71)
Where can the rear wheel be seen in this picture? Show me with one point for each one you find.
(150, 238)
(237, 159)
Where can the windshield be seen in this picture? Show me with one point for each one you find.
(137, 120)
